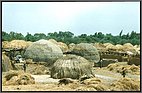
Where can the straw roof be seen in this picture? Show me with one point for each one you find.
(63, 47)
(87, 51)
(44, 51)
(71, 66)
(53, 41)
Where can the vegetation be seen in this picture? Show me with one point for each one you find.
(68, 37)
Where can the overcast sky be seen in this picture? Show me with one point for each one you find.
(76, 17)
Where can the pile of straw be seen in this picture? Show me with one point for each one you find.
(132, 69)
(71, 66)
(63, 47)
(126, 84)
(4, 44)
(19, 44)
(87, 51)
(18, 78)
(43, 51)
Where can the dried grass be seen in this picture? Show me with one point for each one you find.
(18, 78)
(44, 51)
(20, 44)
(63, 47)
(126, 84)
(71, 66)
(132, 69)
(87, 51)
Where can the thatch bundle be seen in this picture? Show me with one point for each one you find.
(87, 51)
(71, 47)
(17, 78)
(20, 44)
(44, 51)
(93, 80)
(6, 64)
(93, 84)
(71, 66)
(63, 47)
(126, 84)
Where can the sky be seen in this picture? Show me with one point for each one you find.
(76, 17)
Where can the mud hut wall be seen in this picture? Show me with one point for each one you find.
(134, 60)
(111, 56)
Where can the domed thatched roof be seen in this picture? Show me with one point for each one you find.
(6, 64)
(20, 44)
(87, 51)
(53, 41)
(71, 66)
(43, 50)
(63, 47)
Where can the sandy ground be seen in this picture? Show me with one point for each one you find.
(45, 83)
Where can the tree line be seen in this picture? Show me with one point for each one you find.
(68, 37)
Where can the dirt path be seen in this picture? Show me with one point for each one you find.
(44, 79)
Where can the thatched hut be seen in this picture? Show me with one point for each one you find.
(6, 64)
(87, 51)
(71, 66)
(43, 51)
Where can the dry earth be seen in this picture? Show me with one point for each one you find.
(45, 83)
